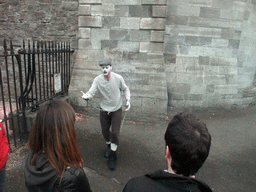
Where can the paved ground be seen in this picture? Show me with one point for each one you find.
(230, 167)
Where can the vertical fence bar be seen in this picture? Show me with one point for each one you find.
(4, 107)
(9, 91)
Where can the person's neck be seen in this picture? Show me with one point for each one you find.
(107, 77)
(170, 170)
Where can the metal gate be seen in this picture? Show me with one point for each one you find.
(30, 74)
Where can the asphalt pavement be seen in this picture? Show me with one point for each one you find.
(230, 167)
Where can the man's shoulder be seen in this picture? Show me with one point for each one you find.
(116, 75)
(164, 181)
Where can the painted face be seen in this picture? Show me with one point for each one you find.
(106, 69)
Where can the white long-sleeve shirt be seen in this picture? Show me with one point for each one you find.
(110, 91)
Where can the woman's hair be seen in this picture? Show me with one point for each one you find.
(53, 133)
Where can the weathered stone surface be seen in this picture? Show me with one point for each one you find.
(156, 47)
(188, 10)
(90, 21)
(176, 20)
(111, 22)
(84, 44)
(203, 3)
(171, 48)
(144, 46)
(140, 35)
(128, 46)
(109, 44)
(121, 10)
(159, 11)
(140, 11)
(152, 23)
(90, 1)
(157, 36)
(154, 2)
(129, 23)
(84, 33)
(209, 12)
(103, 10)
(119, 34)
(84, 10)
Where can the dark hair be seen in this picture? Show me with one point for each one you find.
(189, 143)
(53, 133)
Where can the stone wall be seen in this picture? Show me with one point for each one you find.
(131, 33)
(173, 54)
(212, 43)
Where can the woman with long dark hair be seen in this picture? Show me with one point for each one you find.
(54, 162)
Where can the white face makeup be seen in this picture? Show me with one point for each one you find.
(106, 69)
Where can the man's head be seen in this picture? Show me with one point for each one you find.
(189, 143)
(106, 66)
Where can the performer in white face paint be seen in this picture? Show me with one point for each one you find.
(110, 86)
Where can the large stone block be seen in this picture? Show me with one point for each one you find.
(177, 20)
(84, 33)
(232, 14)
(230, 34)
(152, 23)
(179, 88)
(103, 10)
(140, 35)
(121, 10)
(220, 42)
(144, 46)
(111, 22)
(198, 41)
(171, 48)
(154, 58)
(119, 34)
(159, 11)
(202, 3)
(90, 21)
(84, 44)
(154, 2)
(129, 46)
(195, 97)
(90, 1)
(114, 55)
(84, 10)
(156, 47)
(209, 12)
(109, 44)
(198, 89)
(130, 23)
(215, 22)
(100, 33)
(135, 57)
(188, 10)
(225, 89)
(140, 11)
(122, 2)
(157, 36)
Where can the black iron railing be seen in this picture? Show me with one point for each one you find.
(31, 74)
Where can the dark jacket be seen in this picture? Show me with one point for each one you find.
(43, 177)
(164, 181)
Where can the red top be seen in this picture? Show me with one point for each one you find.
(4, 146)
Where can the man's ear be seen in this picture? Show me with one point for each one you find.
(167, 152)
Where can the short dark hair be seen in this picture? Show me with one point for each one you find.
(189, 143)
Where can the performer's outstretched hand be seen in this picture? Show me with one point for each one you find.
(85, 96)
(128, 105)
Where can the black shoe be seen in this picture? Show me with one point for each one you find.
(107, 152)
(112, 160)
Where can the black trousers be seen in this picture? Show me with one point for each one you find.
(113, 120)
